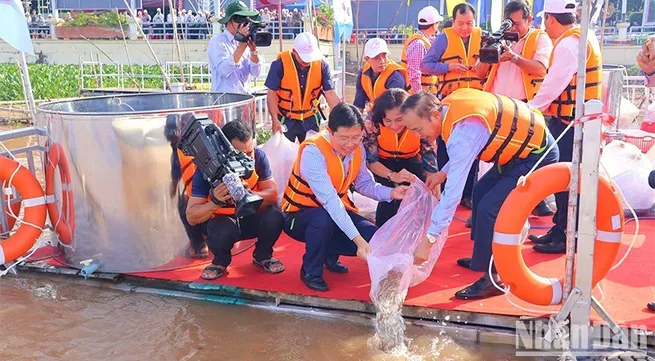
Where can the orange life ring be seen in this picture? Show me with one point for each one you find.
(15, 209)
(64, 225)
(508, 259)
(35, 210)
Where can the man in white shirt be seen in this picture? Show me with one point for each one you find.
(556, 98)
(522, 66)
(232, 62)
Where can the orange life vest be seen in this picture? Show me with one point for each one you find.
(456, 53)
(188, 169)
(374, 89)
(299, 195)
(404, 146)
(230, 209)
(428, 82)
(531, 83)
(564, 107)
(292, 104)
(516, 130)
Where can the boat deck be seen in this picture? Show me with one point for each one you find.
(625, 291)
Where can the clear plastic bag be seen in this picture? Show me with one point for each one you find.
(366, 206)
(281, 153)
(629, 168)
(391, 262)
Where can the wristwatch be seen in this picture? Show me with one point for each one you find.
(431, 238)
(389, 175)
(515, 59)
(254, 53)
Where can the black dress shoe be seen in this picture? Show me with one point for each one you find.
(482, 288)
(313, 282)
(651, 306)
(548, 237)
(469, 222)
(467, 202)
(542, 210)
(555, 247)
(464, 262)
(335, 266)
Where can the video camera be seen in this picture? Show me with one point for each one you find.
(259, 38)
(219, 162)
(492, 43)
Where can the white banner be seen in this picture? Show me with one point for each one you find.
(14, 26)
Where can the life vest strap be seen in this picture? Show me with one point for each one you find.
(512, 131)
(499, 117)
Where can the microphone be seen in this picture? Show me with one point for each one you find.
(651, 179)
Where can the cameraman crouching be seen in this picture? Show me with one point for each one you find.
(223, 228)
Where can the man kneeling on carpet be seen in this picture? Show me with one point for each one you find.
(318, 209)
(223, 228)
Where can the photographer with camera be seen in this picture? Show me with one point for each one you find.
(295, 82)
(223, 227)
(556, 98)
(233, 56)
(522, 66)
(318, 209)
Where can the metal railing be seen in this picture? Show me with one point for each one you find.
(40, 30)
(26, 157)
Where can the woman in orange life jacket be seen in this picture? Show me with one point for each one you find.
(394, 154)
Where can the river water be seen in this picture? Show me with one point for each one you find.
(46, 317)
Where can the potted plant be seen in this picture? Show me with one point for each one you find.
(91, 25)
(324, 16)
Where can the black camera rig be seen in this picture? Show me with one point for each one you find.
(492, 43)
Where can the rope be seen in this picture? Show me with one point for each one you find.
(521, 180)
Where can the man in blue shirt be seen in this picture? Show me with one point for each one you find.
(223, 228)
(231, 62)
(318, 209)
(378, 74)
(291, 100)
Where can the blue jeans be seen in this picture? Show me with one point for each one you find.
(489, 194)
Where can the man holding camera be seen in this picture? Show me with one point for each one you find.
(233, 56)
(295, 83)
(557, 96)
(318, 209)
(378, 75)
(223, 228)
(522, 66)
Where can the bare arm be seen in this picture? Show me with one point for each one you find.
(273, 110)
(198, 210)
(482, 69)
(267, 190)
(332, 98)
(530, 66)
(378, 169)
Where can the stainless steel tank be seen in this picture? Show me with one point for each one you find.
(120, 166)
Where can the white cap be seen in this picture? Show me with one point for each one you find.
(306, 45)
(559, 7)
(429, 15)
(374, 47)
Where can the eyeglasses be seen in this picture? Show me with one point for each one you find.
(353, 140)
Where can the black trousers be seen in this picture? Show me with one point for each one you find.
(195, 233)
(224, 231)
(298, 129)
(386, 210)
(565, 145)
(489, 194)
(442, 159)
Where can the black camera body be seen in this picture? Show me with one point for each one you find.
(258, 37)
(218, 161)
(492, 43)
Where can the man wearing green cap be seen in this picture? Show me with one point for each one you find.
(232, 62)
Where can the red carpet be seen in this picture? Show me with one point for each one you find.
(627, 289)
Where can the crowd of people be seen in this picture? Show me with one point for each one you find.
(432, 117)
